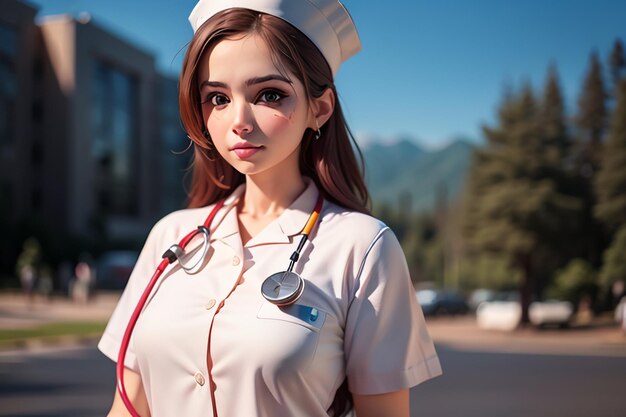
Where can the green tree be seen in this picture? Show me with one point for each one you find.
(422, 249)
(553, 121)
(557, 146)
(514, 205)
(574, 281)
(592, 114)
(590, 120)
(487, 270)
(617, 63)
(610, 184)
(614, 266)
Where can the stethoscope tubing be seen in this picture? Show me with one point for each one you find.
(170, 256)
(140, 305)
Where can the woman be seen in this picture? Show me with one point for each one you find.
(257, 98)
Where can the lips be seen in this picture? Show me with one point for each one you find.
(245, 150)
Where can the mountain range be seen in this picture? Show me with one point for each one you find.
(403, 168)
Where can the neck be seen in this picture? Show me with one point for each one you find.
(267, 197)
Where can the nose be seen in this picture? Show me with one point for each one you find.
(242, 119)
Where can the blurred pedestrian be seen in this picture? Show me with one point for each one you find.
(27, 266)
(620, 313)
(82, 282)
(45, 282)
(65, 275)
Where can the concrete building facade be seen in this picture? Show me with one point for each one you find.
(88, 127)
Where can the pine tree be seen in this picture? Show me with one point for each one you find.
(553, 121)
(557, 145)
(610, 184)
(614, 267)
(591, 117)
(617, 64)
(587, 155)
(514, 206)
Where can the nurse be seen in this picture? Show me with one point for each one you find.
(258, 100)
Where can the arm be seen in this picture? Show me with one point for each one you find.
(136, 394)
(390, 404)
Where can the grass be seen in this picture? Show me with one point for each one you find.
(50, 332)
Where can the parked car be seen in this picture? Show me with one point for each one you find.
(499, 315)
(551, 313)
(480, 296)
(505, 313)
(438, 302)
(114, 268)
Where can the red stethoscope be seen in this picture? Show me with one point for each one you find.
(282, 288)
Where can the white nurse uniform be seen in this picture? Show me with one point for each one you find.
(211, 338)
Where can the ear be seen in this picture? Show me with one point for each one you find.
(321, 109)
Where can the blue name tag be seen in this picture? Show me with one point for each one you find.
(305, 313)
(310, 317)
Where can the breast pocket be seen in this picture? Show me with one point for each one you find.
(290, 337)
(310, 317)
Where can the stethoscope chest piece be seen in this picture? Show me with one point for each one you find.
(283, 288)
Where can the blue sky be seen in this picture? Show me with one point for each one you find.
(430, 70)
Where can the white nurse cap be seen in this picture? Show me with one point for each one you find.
(325, 22)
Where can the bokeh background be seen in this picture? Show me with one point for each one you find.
(493, 136)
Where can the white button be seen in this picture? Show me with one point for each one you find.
(210, 304)
(199, 378)
(236, 260)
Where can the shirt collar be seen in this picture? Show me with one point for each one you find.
(294, 218)
(291, 221)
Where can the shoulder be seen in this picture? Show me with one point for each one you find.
(172, 225)
(182, 216)
(364, 249)
(342, 219)
(353, 229)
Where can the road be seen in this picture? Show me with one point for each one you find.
(79, 382)
(487, 384)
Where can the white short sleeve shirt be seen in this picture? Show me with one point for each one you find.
(210, 341)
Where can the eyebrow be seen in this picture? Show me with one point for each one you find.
(251, 81)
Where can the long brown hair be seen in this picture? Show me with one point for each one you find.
(331, 160)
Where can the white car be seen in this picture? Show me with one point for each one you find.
(499, 315)
(550, 312)
(507, 315)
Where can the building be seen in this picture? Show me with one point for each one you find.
(90, 137)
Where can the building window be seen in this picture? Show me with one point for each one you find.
(173, 141)
(8, 41)
(114, 122)
(8, 84)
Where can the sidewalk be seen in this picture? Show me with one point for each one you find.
(16, 313)
(55, 322)
(601, 337)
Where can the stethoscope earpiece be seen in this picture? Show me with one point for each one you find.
(177, 252)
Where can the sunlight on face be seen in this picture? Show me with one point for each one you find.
(255, 116)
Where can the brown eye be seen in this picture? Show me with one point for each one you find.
(271, 96)
(219, 100)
